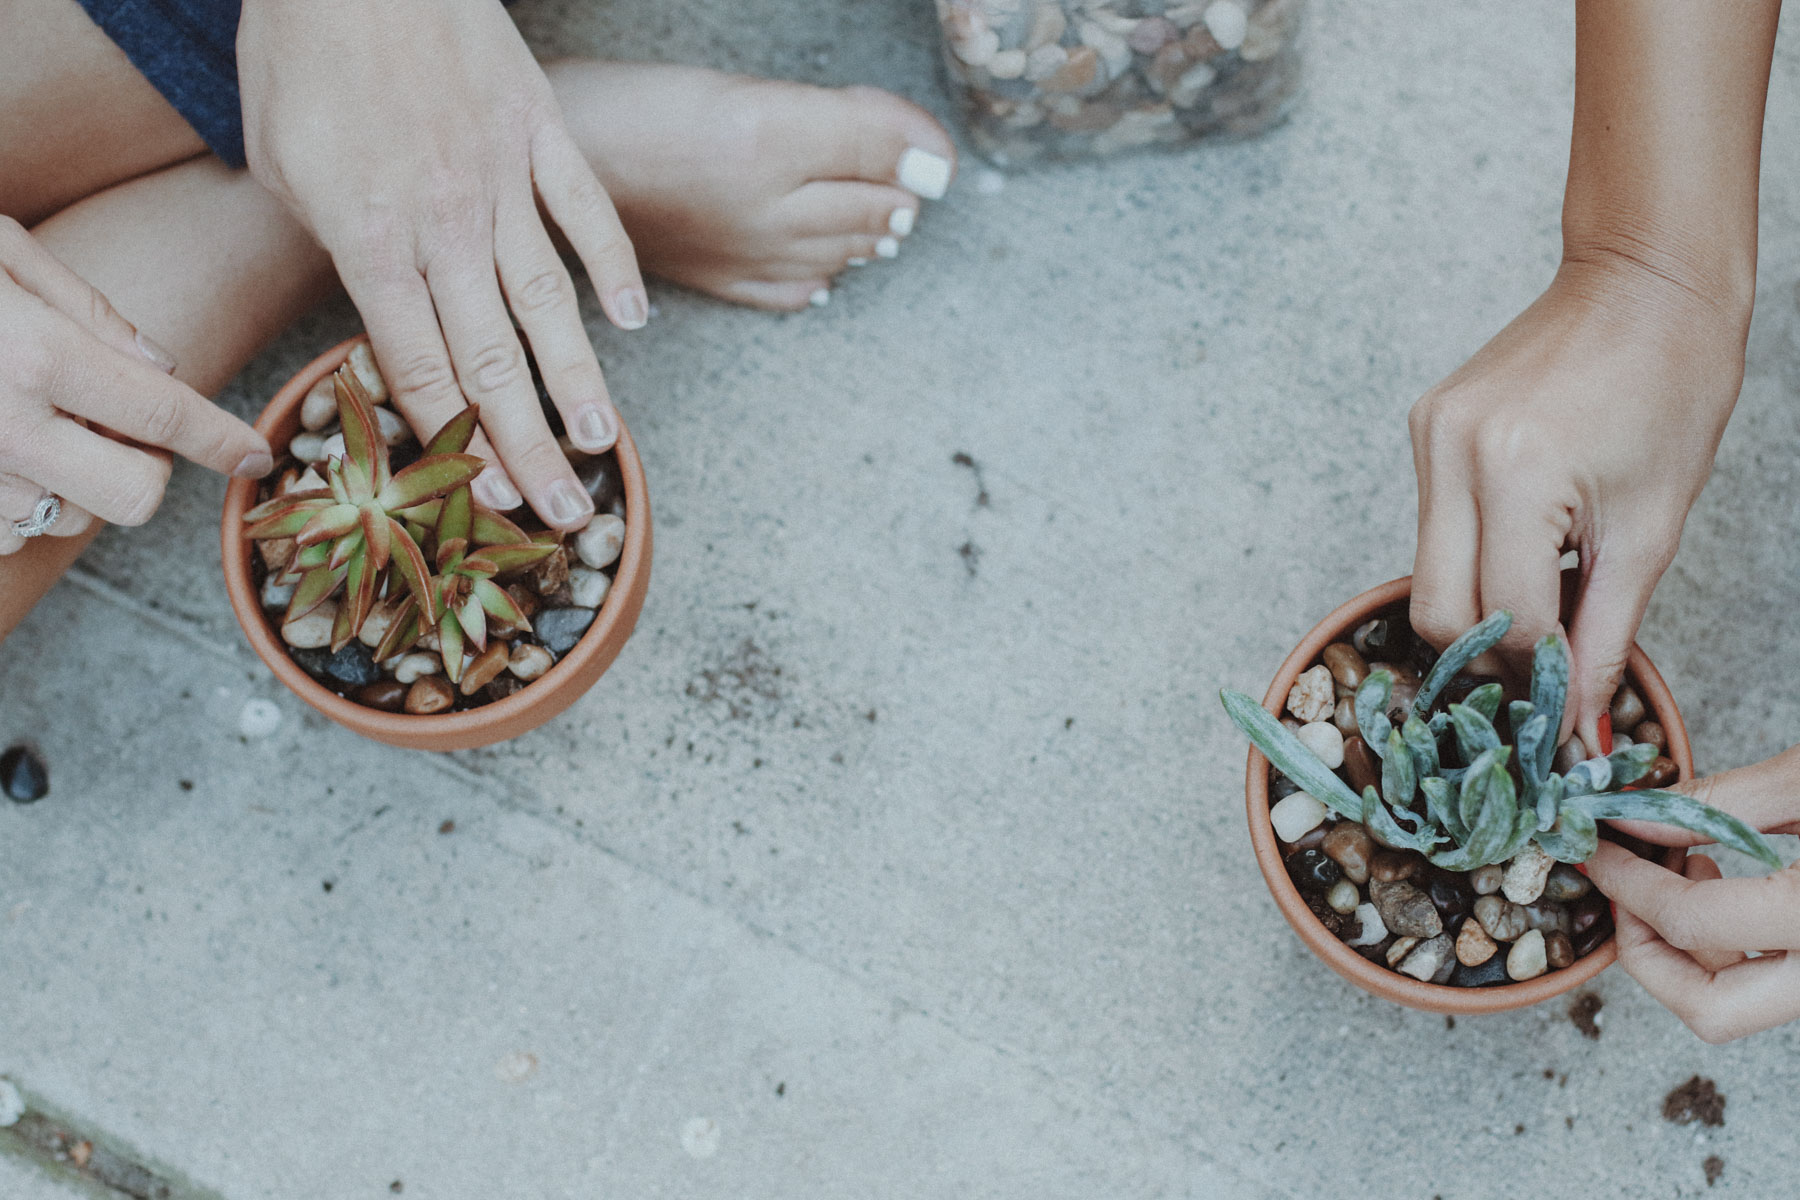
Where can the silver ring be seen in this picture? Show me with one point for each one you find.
(41, 519)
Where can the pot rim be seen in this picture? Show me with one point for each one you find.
(1379, 980)
(467, 726)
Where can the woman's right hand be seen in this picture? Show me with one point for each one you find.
(88, 409)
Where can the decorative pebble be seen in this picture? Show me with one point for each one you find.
(1350, 847)
(1405, 909)
(560, 628)
(1586, 912)
(1589, 941)
(12, 1105)
(1400, 949)
(312, 630)
(1007, 64)
(1295, 815)
(1651, 733)
(1627, 709)
(307, 447)
(1361, 765)
(1370, 636)
(1313, 839)
(1486, 975)
(388, 695)
(394, 429)
(1344, 716)
(277, 595)
(1527, 959)
(1486, 880)
(1280, 786)
(351, 667)
(1389, 866)
(587, 587)
(529, 662)
(1227, 22)
(1568, 754)
(487, 664)
(430, 694)
(1311, 871)
(599, 544)
(1451, 895)
(605, 487)
(1324, 740)
(1312, 697)
(1371, 929)
(1547, 918)
(1559, 951)
(1428, 958)
(319, 409)
(1526, 874)
(1565, 884)
(1503, 920)
(333, 447)
(1622, 741)
(24, 776)
(1348, 668)
(1343, 897)
(379, 621)
(414, 667)
(1473, 945)
(362, 361)
(1662, 773)
(259, 718)
(311, 481)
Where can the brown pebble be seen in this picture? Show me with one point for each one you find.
(1361, 765)
(389, 695)
(1390, 866)
(1079, 72)
(276, 553)
(1346, 666)
(1350, 847)
(504, 686)
(1627, 709)
(1559, 951)
(1344, 716)
(1473, 945)
(1662, 773)
(487, 664)
(1312, 839)
(1402, 947)
(430, 694)
(1651, 733)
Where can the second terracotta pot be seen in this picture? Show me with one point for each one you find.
(526, 709)
(1371, 977)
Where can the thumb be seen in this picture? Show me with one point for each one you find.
(1765, 795)
(1615, 591)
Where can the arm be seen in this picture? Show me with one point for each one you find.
(1591, 421)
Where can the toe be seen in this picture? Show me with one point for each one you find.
(784, 296)
(868, 134)
(833, 208)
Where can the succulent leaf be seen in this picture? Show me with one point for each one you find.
(344, 547)
(473, 619)
(1371, 710)
(1529, 736)
(1381, 824)
(315, 587)
(1589, 776)
(1474, 733)
(1685, 812)
(1486, 700)
(457, 433)
(1631, 763)
(1549, 801)
(328, 523)
(309, 557)
(402, 632)
(288, 521)
(450, 645)
(1459, 654)
(1440, 802)
(378, 534)
(507, 559)
(1549, 692)
(428, 479)
(1290, 756)
(409, 561)
(450, 555)
(456, 516)
(1422, 746)
(1573, 838)
(1398, 778)
(499, 605)
(363, 443)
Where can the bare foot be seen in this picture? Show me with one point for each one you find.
(753, 190)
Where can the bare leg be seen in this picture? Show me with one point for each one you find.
(203, 260)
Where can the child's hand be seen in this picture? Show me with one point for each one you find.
(1684, 936)
(415, 139)
(1589, 423)
(88, 411)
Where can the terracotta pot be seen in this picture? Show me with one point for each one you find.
(526, 709)
(1371, 977)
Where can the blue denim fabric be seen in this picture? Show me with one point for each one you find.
(188, 50)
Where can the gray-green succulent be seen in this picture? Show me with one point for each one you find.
(1494, 798)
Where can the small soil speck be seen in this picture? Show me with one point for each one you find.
(1449, 1022)
(187, 785)
(1582, 1012)
(1696, 1100)
(962, 459)
(396, 1187)
(781, 1088)
(1518, 1129)
(971, 556)
(326, 884)
(449, 826)
(1714, 1166)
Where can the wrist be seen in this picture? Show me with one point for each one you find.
(1659, 272)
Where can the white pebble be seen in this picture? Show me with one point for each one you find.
(1525, 876)
(259, 718)
(1007, 64)
(1296, 816)
(599, 544)
(312, 481)
(979, 48)
(276, 594)
(312, 631)
(333, 447)
(1227, 22)
(1325, 740)
(700, 1137)
(1314, 695)
(12, 1105)
(379, 621)
(1373, 928)
(588, 588)
(529, 662)
(412, 666)
(989, 182)
(1527, 958)
(1486, 880)
(394, 430)
(319, 409)
(1343, 897)
(362, 361)
(307, 447)
(1622, 741)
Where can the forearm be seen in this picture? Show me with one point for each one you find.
(1667, 144)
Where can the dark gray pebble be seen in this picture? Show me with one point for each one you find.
(351, 667)
(1490, 972)
(560, 628)
(600, 476)
(1312, 871)
(25, 776)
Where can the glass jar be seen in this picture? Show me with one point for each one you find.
(1057, 79)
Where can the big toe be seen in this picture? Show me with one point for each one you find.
(875, 136)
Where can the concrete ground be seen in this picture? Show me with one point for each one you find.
(901, 853)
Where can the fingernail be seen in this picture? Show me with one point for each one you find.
(492, 489)
(857, 262)
(1604, 725)
(568, 504)
(151, 349)
(254, 466)
(887, 247)
(595, 429)
(1582, 867)
(631, 309)
(924, 174)
(820, 298)
(900, 221)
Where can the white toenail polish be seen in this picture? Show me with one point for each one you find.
(887, 248)
(820, 298)
(900, 221)
(924, 174)
(857, 262)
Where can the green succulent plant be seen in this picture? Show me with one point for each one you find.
(1471, 800)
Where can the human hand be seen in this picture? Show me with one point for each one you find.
(1589, 423)
(416, 138)
(88, 410)
(1684, 937)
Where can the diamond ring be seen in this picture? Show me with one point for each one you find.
(41, 519)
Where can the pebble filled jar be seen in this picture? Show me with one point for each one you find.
(1060, 79)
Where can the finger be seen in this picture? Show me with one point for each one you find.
(1616, 584)
(541, 295)
(73, 521)
(791, 296)
(119, 484)
(1700, 867)
(1710, 914)
(1520, 561)
(585, 214)
(1765, 795)
(1445, 596)
(396, 309)
(1747, 997)
(44, 275)
(490, 365)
